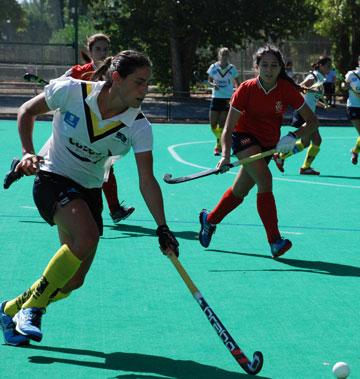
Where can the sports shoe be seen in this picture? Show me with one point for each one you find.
(308, 171)
(11, 336)
(28, 322)
(279, 162)
(354, 157)
(217, 151)
(207, 229)
(280, 247)
(121, 213)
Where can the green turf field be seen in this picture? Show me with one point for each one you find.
(134, 317)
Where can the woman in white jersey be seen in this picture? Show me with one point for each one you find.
(93, 122)
(352, 83)
(222, 76)
(313, 97)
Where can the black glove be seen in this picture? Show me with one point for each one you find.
(167, 240)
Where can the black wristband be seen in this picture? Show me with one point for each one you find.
(292, 134)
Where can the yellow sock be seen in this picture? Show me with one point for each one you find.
(297, 148)
(356, 149)
(217, 132)
(311, 153)
(13, 306)
(61, 268)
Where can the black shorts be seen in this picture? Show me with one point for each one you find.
(329, 88)
(219, 105)
(52, 189)
(241, 141)
(353, 113)
(297, 120)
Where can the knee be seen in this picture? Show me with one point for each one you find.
(85, 244)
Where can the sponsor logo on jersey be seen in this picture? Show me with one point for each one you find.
(121, 137)
(278, 107)
(71, 119)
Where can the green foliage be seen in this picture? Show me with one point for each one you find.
(12, 18)
(173, 32)
(66, 34)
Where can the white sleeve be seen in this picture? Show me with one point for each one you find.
(56, 93)
(142, 139)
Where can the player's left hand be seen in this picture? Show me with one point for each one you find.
(167, 241)
(286, 143)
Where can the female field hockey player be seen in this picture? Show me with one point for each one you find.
(313, 98)
(222, 76)
(352, 84)
(98, 46)
(253, 126)
(93, 122)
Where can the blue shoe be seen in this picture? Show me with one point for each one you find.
(11, 336)
(207, 229)
(28, 322)
(280, 247)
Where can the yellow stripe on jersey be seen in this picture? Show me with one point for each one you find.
(95, 131)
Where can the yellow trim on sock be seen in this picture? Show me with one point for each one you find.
(357, 146)
(297, 148)
(311, 153)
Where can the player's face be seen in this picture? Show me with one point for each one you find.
(269, 69)
(134, 87)
(325, 69)
(99, 51)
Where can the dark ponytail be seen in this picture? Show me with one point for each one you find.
(125, 63)
(102, 72)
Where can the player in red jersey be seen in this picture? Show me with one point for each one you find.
(98, 46)
(253, 126)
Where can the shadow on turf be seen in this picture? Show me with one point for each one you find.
(141, 231)
(314, 267)
(141, 363)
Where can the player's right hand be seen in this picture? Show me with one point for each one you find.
(223, 164)
(29, 164)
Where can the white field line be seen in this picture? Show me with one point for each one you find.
(178, 158)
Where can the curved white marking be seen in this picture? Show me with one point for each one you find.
(177, 157)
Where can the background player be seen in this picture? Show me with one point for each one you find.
(352, 83)
(222, 77)
(98, 46)
(316, 79)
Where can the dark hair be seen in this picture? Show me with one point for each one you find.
(125, 63)
(322, 61)
(270, 49)
(97, 37)
(90, 43)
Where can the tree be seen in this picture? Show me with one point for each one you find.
(172, 31)
(12, 18)
(339, 23)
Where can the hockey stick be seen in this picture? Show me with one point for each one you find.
(181, 179)
(12, 176)
(34, 79)
(251, 367)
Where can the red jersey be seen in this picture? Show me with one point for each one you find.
(262, 111)
(81, 71)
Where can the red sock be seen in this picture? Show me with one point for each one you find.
(227, 203)
(267, 211)
(110, 191)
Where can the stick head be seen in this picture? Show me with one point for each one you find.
(256, 364)
(167, 178)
